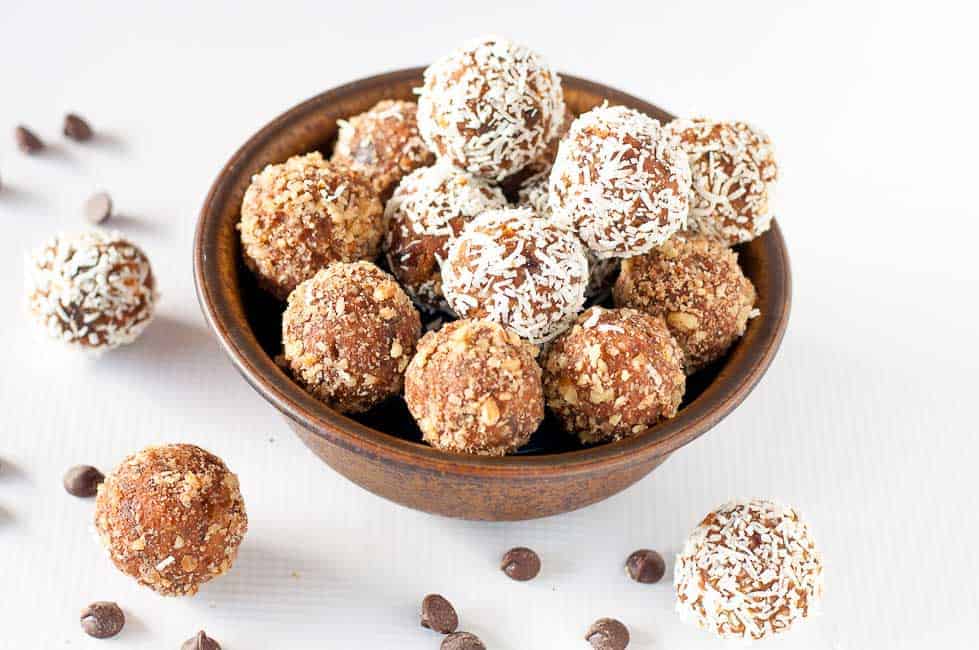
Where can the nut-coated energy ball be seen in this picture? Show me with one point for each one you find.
(348, 334)
(474, 387)
(304, 214)
(383, 144)
(513, 267)
(614, 374)
(734, 177)
(171, 517)
(696, 285)
(491, 108)
(749, 570)
(428, 209)
(94, 291)
(621, 180)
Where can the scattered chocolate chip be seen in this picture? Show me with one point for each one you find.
(27, 141)
(438, 614)
(645, 566)
(98, 207)
(520, 564)
(82, 481)
(76, 128)
(462, 641)
(102, 619)
(200, 641)
(607, 634)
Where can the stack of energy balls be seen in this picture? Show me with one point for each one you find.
(493, 208)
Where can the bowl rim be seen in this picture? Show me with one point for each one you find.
(217, 302)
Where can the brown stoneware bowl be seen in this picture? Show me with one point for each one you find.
(381, 450)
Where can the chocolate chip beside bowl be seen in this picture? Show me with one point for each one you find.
(607, 634)
(520, 563)
(102, 619)
(200, 641)
(98, 207)
(645, 566)
(438, 614)
(77, 128)
(462, 641)
(82, 481)
(27, 141)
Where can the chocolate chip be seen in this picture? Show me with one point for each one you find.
(98, 207)
(200, 641)
(82, 481)
(607, 634)
(27, 141)
(438, 614)
(462, 641)
(76, 128)
(520, 564)
(102, 619)
(645, 566)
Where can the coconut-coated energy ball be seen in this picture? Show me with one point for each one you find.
(621, 181)
(693, 282)
(348, 334)
(513, 267)
(301, 215)
(491, 107)
(615, 373)
(750, 570)
(172, 517)
(734, 177)
(533, 194)
(475, 387)
(94, 291)
(427, 210)
(383, 144)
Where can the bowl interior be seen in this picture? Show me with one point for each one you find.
(248, 320)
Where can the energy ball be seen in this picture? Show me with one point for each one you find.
(491, 108)
(348, 334)
(533, 194)
(748, 571)
(621, 180)
(695, 283)
(514, 268)
(614, 374)
(428, 209)
(734, 176)
(304, 214)
(171, 517)
(94, 291)
(475, 387)
(383, 144)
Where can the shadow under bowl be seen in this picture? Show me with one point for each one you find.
(381, 450)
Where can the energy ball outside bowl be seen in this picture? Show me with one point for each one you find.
(515, 268)
(748, 571)
(734, 177)
(172, 517)
(614, 374)
(428, 209)
(491, 107)
(533, 194)
(621, 180)
(93, 291)
(693, 282)
(475, 387)
(348, 334)
(301, 215)
(383, 144)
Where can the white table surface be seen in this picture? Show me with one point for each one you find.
(864, 421)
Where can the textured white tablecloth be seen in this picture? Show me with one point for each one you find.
(864, 421)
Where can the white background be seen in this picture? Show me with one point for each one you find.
(865, 421)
